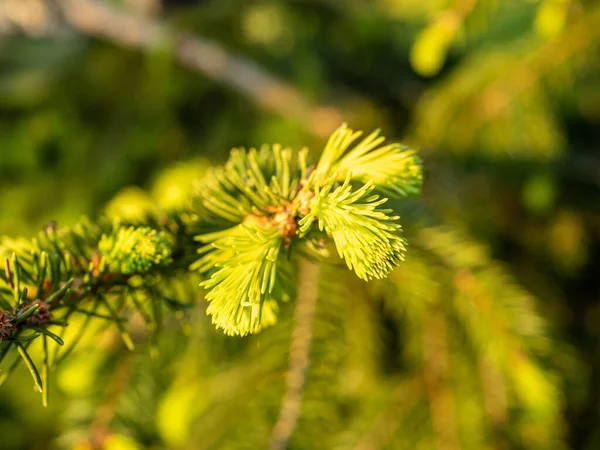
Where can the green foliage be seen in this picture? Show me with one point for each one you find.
(246, 260)
(271, 202)
(365, 236)
(475, 110)
(249, 183)
(466, 344)
(499, 337)
(61, 274)
(393, 168)
(134, 250)
(432, 45)
(499, 100)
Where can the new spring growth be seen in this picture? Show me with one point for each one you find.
(134, 249)
(249, 218)
(263, 201)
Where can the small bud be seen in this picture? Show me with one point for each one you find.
(6, 326)
(42, 316)
(50, 227)
(134, 250)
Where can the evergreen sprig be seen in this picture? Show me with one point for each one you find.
(70, 271)
(240, 226)
(274, 193)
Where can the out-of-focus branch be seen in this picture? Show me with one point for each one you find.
(202, 55)
(402, 400)
(300, 346)
(435, 370)
(34, 17)
(509, 85)
(100, 427)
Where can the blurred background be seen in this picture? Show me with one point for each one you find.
(488, 336)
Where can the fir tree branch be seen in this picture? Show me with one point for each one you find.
(437, 385)
(300, 346)
(494, 391)
(59, 271)
(507, 335)
(475, 107)
(121, 378)
(402, 399)
(261, 202)
(248, 216)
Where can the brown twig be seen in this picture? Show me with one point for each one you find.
(204, 56)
